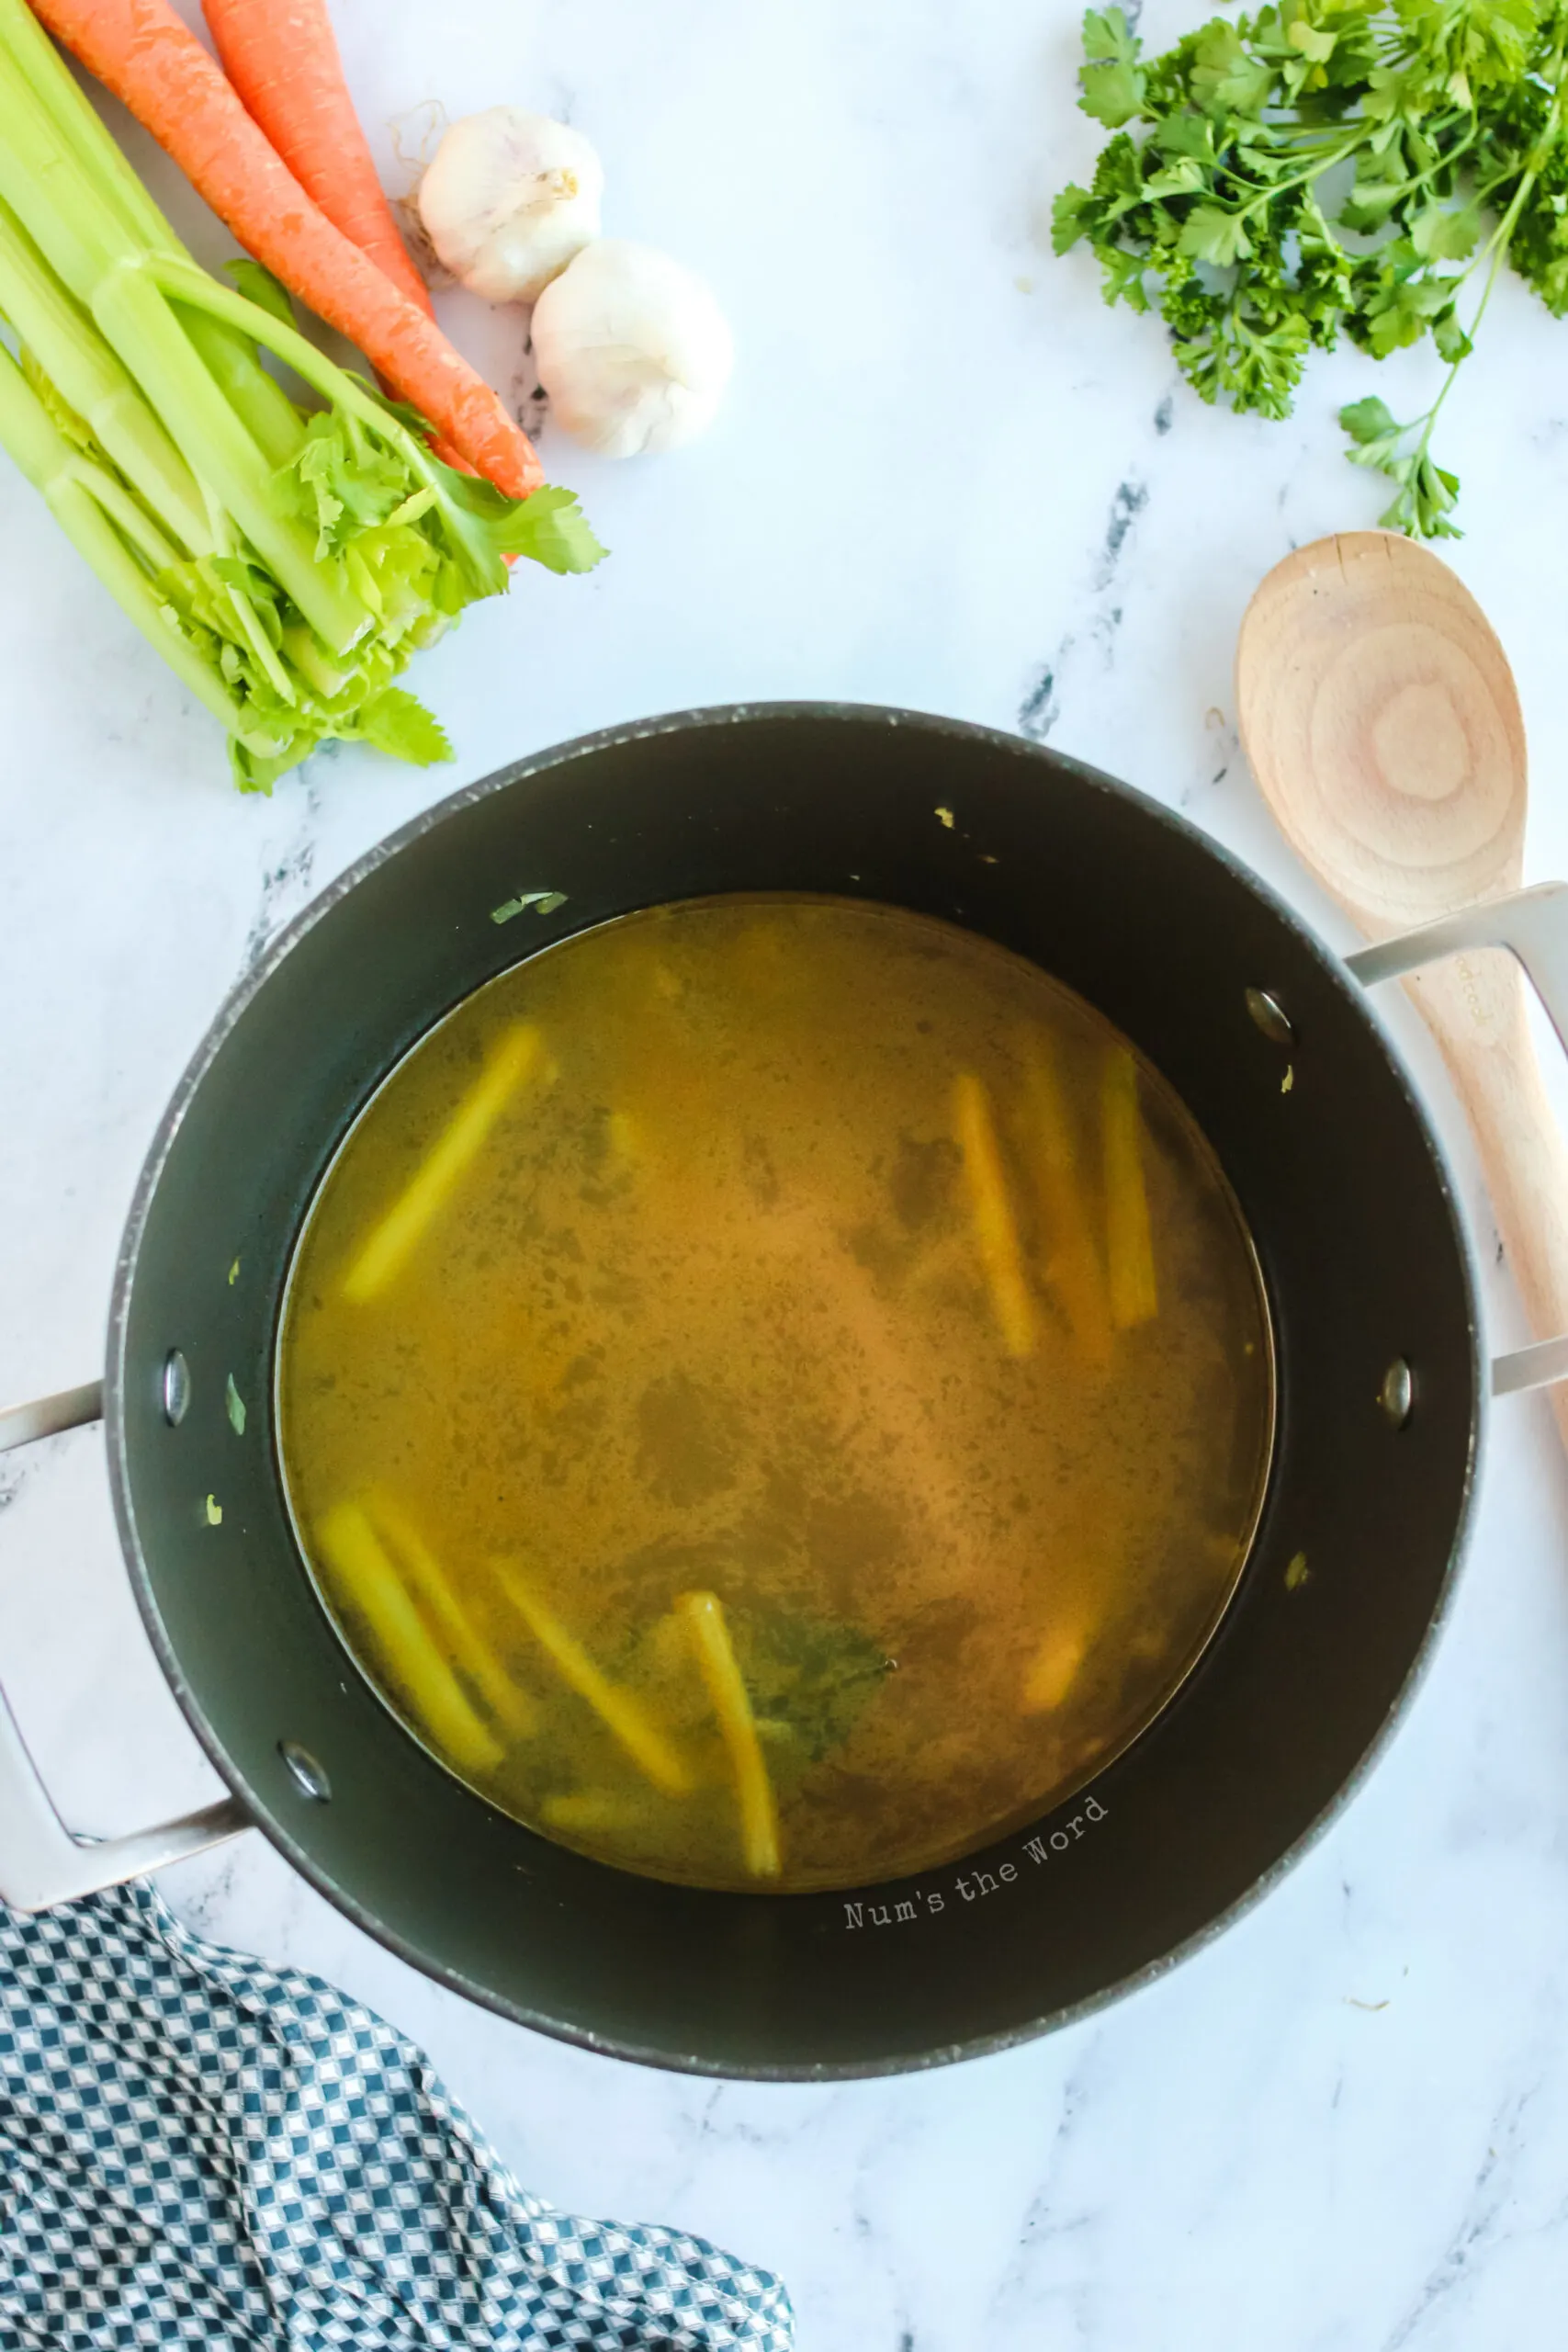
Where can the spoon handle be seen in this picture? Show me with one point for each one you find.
(1475, 1006)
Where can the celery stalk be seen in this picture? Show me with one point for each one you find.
(50, 191)
(184, 283)
(287, 562)
(266, 408)
(31, 438)
(85, 242)
(137, 320)
(135, 525)
(90, 379)
(55, 91)
(257, 398)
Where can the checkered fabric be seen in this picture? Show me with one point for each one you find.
(197, 2149)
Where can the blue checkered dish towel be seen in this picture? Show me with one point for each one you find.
(197, 2149)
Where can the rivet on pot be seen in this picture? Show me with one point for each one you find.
(1270, 1016)
(1397, 1394)
(176, 1388)
(309, 1777)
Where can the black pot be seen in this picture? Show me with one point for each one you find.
(1379, 1397)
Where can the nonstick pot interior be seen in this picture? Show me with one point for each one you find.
(1336, 1173)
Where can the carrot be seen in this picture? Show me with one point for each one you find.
(720, 1670)
(281, 57)
(142, 51)
(1073, 1267)
(290, 78)
(1130, 1250)
(381, 1259)
(991, 1216)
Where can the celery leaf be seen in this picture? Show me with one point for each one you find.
(395, 723)
(258, 285)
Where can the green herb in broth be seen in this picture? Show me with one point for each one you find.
(813, 1403)
(808, 1679)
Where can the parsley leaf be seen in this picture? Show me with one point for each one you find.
(1111, 87)
(808, 1679)
(1210, 235)
(1071, 216)
(1368, 421)
(1324, 169)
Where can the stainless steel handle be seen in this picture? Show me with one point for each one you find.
(40, 1862)
(1533, 925)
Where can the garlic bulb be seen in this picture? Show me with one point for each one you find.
(632, 349)
(508, 199)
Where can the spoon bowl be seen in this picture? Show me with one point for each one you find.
(1381, 718)
(1382, 723)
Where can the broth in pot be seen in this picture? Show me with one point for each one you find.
(774, 1393)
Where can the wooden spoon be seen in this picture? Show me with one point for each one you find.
(1382, 721)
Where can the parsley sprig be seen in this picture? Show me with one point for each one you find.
(1362, 167)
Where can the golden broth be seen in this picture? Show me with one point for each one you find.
(774, 1394)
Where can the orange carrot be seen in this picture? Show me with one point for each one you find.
(290, 78)
(282, 58)
(146, 56)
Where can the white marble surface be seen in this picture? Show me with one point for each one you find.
(946, 471)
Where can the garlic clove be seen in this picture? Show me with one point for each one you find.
(632, 348)
(509, 199)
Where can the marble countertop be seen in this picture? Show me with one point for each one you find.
(947, 477)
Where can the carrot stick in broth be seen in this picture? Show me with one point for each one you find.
(141, 50)
(1053, 1669)
(703, 1612)
(1073, 1265)
(512, 1708)
(439, 1173)
(282, 58)
(991, 1214)
(616, 1709)
(1130, 1253)
(367, 1580)
(587, 1809)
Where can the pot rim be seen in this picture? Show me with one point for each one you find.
(249, 986)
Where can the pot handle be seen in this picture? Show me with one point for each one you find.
(40, 1862)
(1533, 925)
